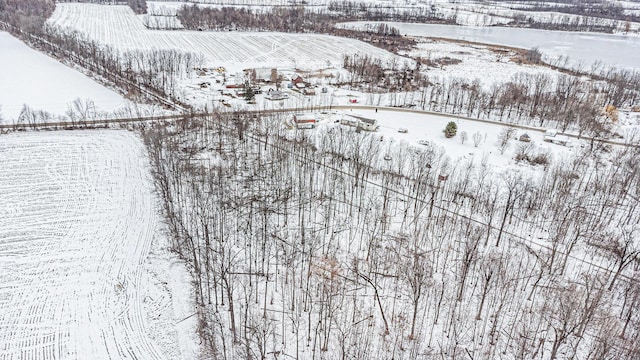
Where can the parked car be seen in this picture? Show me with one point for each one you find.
(403, 130)
(423, 142)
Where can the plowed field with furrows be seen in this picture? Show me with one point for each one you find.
(118, 27)
(76, 222)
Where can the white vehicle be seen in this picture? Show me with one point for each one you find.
(403, 130)
(423, 142)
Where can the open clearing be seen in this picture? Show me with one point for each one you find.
(118, 27)
(77, 223)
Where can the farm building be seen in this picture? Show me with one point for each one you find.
(276, 95)
(349, 122)
(304, 121)
(366, 123)
(360, 122)
(296, 80)
(264, 75)
(552, 136)
(525, 138)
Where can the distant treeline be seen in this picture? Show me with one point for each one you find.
(575, 24)
(594, 16)
(595, 8)
(298, 19)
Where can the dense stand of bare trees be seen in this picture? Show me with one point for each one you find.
(595, 8)
(574, 24)
(299, 18)
(28, 15)
(311, 245)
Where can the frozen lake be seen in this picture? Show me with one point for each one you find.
(579, 48)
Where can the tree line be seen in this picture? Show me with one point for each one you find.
(296, 18)
(321, 18)
(593, 8)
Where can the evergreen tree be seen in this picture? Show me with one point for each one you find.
(248, 92)
(451, 129)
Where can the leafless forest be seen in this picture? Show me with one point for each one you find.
(316, 247)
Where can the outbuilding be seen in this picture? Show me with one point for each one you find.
(552, 136)
(304, 121)
(525, 138)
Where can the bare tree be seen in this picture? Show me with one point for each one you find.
(463, 137)
(477, 139)
(622, 247)
(505, 137)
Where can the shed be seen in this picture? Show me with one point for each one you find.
(525, 138)
(304, 121)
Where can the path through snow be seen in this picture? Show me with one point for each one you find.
(77, 220)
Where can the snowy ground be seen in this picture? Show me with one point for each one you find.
(78, 223)
(118, 26)
(477, 62)
(32, 78)
(426, 127)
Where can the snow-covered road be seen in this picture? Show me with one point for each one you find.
(77, 219)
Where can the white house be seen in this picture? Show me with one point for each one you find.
(276, 95)
(552, 136)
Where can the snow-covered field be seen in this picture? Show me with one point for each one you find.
(429, 127)
(77, 224)
(32, 78)
(118, 26)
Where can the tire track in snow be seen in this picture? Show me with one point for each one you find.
(72, 246)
